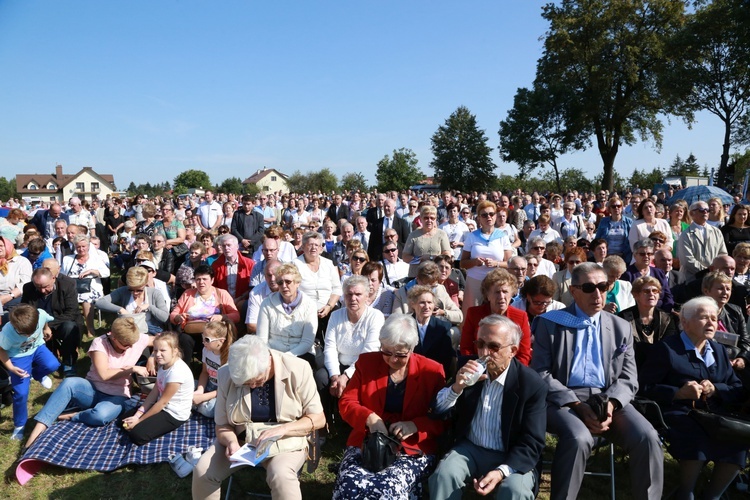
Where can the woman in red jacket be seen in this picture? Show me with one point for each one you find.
(498, 288)
(391, 392)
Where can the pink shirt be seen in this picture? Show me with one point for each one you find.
(118, 386)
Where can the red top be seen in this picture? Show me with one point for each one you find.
(244, 270)
(471, 326)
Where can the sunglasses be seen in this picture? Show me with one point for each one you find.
(591, 287)
(541, 303)
(490, 346)
(399, 355)
(537, 248)
(390, 250)
(701, 210)
(358, 259)
(208, 340)
(487, 215)
(616, 206)
(284, 282)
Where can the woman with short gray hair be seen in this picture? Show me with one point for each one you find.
(88, 270)
(619, 292)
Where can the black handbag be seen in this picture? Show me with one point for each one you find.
(379, 451)
(726, 428)
(180, 250)
(83, 285)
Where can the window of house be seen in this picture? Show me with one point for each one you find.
(51, 186)
(32, 186)
(95, 186)
(273, 178)
(79, 186)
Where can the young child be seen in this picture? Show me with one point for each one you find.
(217, 337)
(167, 406)
(23, 353)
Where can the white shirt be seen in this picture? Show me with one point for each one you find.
(345, 341)
(209, 213)
(180, 404)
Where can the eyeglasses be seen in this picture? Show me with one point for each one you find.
(390, 250)
(284, 282)
(537, 248)
(356, 258)
(645, 254)
(490, 346)
(591, 287)
(487, 215)
(541, 303)
(515, 269)
(574, 262)
(399, 355)
(701, 210)
(208, 340)
(616, 206)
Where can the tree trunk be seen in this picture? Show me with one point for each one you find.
(725, 154)
(608, 154)
(557, 176)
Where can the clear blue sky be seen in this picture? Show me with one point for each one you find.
(147, 89)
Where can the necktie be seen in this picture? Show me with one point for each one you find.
(386, 223)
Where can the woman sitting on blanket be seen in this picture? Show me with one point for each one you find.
(167, 406)
(100, 396)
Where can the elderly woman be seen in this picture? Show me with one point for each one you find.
(485, 249)
(741, 256)
(693, 370)
(619, 292)
(196, 255)
(163, 257)
(171, 227)
(137, 298)
(718, 286)
(647, 223)
(451, 278)
(536, 297)
(498, 289)
(88, 270)
(643, 253)
(391, 392)
(455, 229)
(12, 225)
(15, 271)
(114, 223)
(615, 229)
(650, 323)
(428, 274)
(380, 297)
(351, 331)
(201, 304)
(148, 224)
(537, 247)
(266, 397)
(562, 278)
(426, 242)
(288, 319)
(320, 278)
(99, 398)
(435, 338)
(736, 230)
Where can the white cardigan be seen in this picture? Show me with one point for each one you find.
(346, 341)
(19, 273)
(293, 333)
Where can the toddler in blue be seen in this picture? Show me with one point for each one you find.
(23, 353)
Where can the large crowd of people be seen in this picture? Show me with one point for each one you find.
(498, 316)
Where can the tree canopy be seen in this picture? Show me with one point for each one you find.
(191, 179)
(323, 181)
(609, 57)
(354, 182)
(231, 185)
(461, 157)
(398, 171)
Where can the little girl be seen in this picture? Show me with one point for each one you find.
(217, 337)
(167, 406)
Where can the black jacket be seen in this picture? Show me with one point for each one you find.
(64, 299)
(248, 227)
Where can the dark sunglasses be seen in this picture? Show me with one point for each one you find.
(284, 282)
(358, 259)
(701, 210)
(390, 250)
(490, 346)
(487, 215)
(591, 287)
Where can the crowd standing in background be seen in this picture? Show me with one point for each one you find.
(382, 309)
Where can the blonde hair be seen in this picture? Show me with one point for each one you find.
(223, 329)
(136, 277)
(125, 331)
(172, 340)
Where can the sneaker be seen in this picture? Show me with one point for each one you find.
(17, 433)
(46, 382)
(180, 466)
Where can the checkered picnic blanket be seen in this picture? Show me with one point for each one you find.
(76, 446)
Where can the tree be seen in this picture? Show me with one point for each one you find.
(688, 167)
(191, 179)
(324, 181)
(354, 182)
(609, 56)
(535, 132)
(646, 179)
(7, 189)
(461, 157)
(715, 73)
(398, 172)
(231, 185)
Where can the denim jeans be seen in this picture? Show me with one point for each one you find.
(38, 364)
(98, 408)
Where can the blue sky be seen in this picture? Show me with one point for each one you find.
(147, 89)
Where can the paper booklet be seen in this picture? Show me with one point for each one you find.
(251, 455)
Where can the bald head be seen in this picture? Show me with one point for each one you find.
(724, 264)
(52, 265)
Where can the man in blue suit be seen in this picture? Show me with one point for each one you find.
(500, 428)
(44, 220)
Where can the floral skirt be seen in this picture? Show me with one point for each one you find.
(401, 481)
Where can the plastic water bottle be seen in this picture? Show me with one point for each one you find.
(472, 378)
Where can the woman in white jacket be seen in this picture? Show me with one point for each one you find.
(288, 319)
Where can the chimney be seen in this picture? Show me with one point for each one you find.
(58, 172)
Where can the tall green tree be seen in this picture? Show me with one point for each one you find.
(323, 181)
(191, 179)
(461, 157)
(535, 132)
(398, 171)
(7, 189)
(714, 74)
(353, 182)
(231, 185)
(609, 56)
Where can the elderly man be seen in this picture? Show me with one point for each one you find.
(375, 213)
(517, 266)
(663, 260)
(232, 272)
(339, 248)
(270, 251)
(586, 357)
(699, 244)
(389, 221)
(247, 226)
(77, 215)
(338, 210)
(56, 294)
(260, 292)
(569, 224)
(500, 428)
(362, 234)
(209, 213)
(45, 220)
(394, 268)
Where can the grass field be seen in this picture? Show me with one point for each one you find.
(158, 481)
